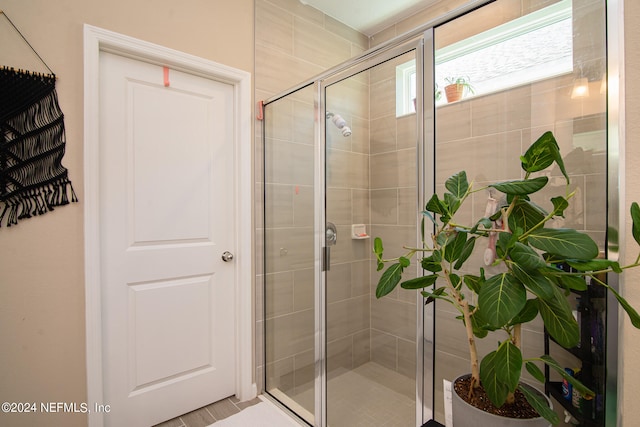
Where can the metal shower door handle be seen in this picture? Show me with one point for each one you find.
(330, 239)
(227, 256)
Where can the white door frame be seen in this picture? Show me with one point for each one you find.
(96, 40)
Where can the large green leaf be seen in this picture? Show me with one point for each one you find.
(505, 242)
(526, 257)
(480, 326)
(535, 371)
(540, 404)
(377, 246)
(500, 372)
(539, 155)
(559, 321)
(542, 153)
(583, 389)
(473, 282)
(594, 265)
(435, 205)
(635, 217)
(527, 314)
(432, 262)
(576, 283)
(456, 281)
(389, 280)
(457, 184)
(559, 205)
(496, 390)
(451, 204)
(377, 249)
(501, 298)
(509, 360)
(440, 293)
(534, 281)
(631, 312)
(565, 242)
(526, 215)
(521, 187)
(419, 282)
(466, 253)
(454, 247)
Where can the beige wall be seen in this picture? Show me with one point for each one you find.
(42, 323)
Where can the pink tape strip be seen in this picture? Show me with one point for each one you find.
(260, 114)
(165, 71)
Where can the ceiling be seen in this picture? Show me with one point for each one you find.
(368, 16)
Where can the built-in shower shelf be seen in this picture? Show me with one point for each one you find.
(359, 232)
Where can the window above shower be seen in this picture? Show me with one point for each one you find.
(534, 47)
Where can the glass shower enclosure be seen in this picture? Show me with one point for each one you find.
(325, 332)
(354, 154)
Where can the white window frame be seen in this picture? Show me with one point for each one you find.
(405, 90)
(539, 19)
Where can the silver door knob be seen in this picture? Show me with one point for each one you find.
(227, 256)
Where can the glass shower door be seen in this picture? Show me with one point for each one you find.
(534, 67)
(371, 191)
(289, 254)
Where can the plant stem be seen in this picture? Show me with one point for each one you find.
(473, 351)
(593, 273)
(466, 312)
(517, 335)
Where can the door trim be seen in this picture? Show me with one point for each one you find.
(95, 41)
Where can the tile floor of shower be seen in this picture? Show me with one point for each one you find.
(369, 395)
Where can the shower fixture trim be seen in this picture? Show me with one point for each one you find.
(339, 122)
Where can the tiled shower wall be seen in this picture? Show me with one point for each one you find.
(347, 193)
(393, 217)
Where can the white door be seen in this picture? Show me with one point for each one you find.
(166, 218)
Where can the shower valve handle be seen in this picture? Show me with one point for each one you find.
(331, 234)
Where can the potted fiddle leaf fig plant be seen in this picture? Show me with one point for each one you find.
(527, 254)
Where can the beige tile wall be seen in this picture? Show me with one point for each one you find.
(393, 217)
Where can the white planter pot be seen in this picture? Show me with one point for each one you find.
(465, 415)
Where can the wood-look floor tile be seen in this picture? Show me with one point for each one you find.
(222, 409)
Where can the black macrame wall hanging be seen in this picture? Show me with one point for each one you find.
(32, 144)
